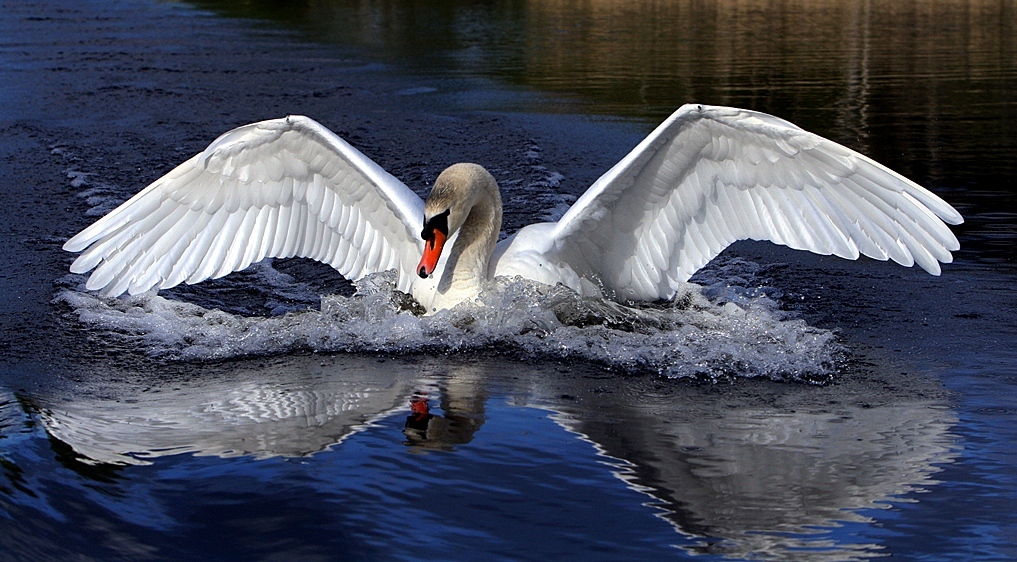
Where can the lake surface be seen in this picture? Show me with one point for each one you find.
(792, 407)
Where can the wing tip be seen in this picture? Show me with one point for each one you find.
(952, 217)
(75, 244)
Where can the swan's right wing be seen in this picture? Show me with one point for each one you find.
(280, 188)
(709, 176)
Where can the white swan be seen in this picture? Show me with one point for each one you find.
(706, 177)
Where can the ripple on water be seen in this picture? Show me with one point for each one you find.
(689, 336)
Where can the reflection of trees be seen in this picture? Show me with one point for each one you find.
(659, 54)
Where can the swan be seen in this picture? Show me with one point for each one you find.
(703, 179)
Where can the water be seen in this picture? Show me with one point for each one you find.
(786, 407)
(688, 337)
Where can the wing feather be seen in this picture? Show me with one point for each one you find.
(709, 176)
(279, 188)
(197, 249)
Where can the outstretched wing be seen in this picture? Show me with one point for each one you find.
(280, 188)
(709, 176)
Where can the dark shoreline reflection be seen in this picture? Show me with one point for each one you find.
(754, 468)
(639, 56)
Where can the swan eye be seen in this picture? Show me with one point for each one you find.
(437, 222)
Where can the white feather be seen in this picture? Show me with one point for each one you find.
(749, 175)
(245, 197)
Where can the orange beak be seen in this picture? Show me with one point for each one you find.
(432, 251)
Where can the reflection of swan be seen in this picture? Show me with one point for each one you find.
(706, 177)
(292, 407)
(751, 480)
(765, 481)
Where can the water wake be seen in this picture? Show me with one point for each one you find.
(690, 336)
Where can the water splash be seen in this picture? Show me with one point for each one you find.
(689, 336)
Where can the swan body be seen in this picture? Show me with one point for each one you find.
(703, 179)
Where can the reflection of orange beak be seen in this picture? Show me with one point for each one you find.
(432, 251)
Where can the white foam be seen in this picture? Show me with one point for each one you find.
(690, 336)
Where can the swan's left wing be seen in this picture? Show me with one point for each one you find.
(709, 176)
(280, 188)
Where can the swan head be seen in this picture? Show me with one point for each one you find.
(456, 192)
(435, 234)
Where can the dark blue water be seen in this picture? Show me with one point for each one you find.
(154, 430)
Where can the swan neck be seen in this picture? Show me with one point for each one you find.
(471, 254)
